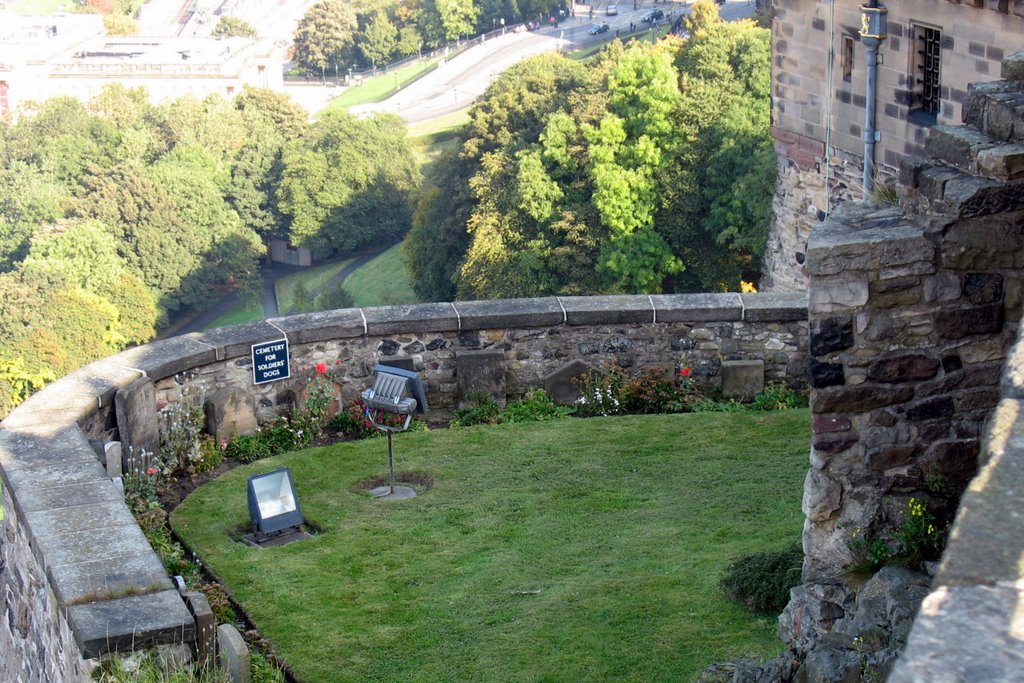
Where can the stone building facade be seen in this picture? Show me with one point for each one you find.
(933, 50)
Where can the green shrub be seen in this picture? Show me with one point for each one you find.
(650, 392)
(599, 393)
(762, 581)
(335, 297)
(248, 447)
(353, 422)
(777, 396)
(536, 405)
(486, 411)
(208, 458)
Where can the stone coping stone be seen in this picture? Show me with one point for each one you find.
(608, 310)
(684, 308)
(58, 521)
(166, 357)
(411, 319)
(236, 340)
(343, 323)
(109, 543)
(501, 313)
(986, 544)
(850, 241)
(90, 581)
(75, 396)
(130, 623)
(964, 633)
(28, 479)
(774, 306)
(56, 497)
(43, 445)
(1012, 381)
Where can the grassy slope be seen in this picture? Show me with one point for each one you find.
(382, 281)
(623, 525)
(312, 278)
(247, 310)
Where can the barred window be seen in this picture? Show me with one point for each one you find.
(925, 73)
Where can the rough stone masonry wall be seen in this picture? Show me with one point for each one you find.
(912, 312)
(77, 576)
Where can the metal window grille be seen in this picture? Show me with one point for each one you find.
(929, 49)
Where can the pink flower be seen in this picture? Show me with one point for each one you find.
(337, 362)
(152, 470)
(685, 372)
(224, 443)
(321, 368)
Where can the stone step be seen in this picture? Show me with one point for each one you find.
(942, 189)
(1013, 67)
(975, 152)
(996, 108)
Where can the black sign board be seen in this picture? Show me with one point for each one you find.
(270, 361)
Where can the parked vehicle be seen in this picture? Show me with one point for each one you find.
(611, 10)
(598, 28)
(652, 16)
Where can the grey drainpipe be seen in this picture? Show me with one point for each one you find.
(872, 33)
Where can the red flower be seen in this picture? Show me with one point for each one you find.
(337, 362)
(321, 368)
(152, 471)
(685, 372)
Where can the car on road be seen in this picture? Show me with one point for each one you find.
(611, 10)
(652, 16)
(598, 28)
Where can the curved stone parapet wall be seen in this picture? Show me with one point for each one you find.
(78, 577)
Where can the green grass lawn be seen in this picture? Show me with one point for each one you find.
(247, 311)
(382, 281)
(555, 551)
(312, 278)
(383, 86)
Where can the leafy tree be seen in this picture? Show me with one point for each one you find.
(443, 20)
(287, 117)
(348, 183)
(378, 40)
(325, 35)
(229, 26)
(335, 297)
(27, 198)
(409, 41)
(120, 25)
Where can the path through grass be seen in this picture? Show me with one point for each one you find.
(559, 551)
(382, 281)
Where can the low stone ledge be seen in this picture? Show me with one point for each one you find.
(964, 633)
(503, 313)
(607, 310)
(82, 582)
(858, 238)
(165, 357)
(416, 318)
(985, 544)
(130, 623)
(305, 328)
(236, 340)
(44, 445)
(685, 308)
(111, 543)
(774, 307)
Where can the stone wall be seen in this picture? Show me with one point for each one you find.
(814, 107)
(79, 579)
(913, 310)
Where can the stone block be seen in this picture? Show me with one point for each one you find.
(505, 313)
(93, 580)
(129, 623)
(983, 288)
(112, 459)
(608, 310)
(822, 496)
(983, 245)
(974, 196)
(346, 323)
(559, 383)
(481, 371)
(742, 379)
(682, 308)
(1012, 68)
(774, 306)
(137, 423)
(967, 321)
(230, 411)
(858, 399)
(827, 424)
(957, 145)
(859, 238)
(411, 319)
(233, 654)
(830, 334)
(206, 628)
(837, 294)
(237, 340)
(826, 374)
(1005, 162)
(1004, 115)
(166, 357)
(930, 408)
(905, 368)
(945, 642)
